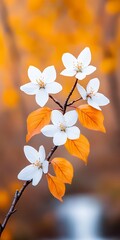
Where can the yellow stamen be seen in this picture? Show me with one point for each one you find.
(41, 83)
(37, 164)
(91, 94)
(62, 127)
(78, 67)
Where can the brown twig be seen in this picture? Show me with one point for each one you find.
(56, 101)
(71, 103)
(53, 149)
(70, 94)
(12, 209)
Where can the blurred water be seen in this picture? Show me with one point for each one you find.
(96, 238)
(80, 218)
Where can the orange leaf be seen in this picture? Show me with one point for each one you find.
(56, 187)
(36, 121)
(90, 117)
(63, 169)
(79, 147)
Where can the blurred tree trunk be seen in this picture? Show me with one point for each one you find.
(109, 36)
(14, 58)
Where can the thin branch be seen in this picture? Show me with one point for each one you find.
(69, 104)
(56, 101)
(12, 209)
(19, 193)
(53, 149)
(70, 94)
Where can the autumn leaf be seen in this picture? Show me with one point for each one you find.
(90, 117)
(79, 147)
(56, 187)
(63, 169)
(36, 121)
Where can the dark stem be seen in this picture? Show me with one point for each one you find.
(56, 101)
(69, 104)
(12, 209)
(70, 94)
(53, 149)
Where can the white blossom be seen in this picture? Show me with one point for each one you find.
(91, 94)
(62, 127)
(78, 67)
(38, 165)
(42, 84)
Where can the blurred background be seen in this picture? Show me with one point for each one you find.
(38, 32)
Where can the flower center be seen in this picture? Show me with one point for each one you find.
(62, 127)
(40, 83)
(78, 66)
(91, 94)
(37, 164)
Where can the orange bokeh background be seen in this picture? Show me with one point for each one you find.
(37, 32)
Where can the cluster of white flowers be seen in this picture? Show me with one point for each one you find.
(62, 128)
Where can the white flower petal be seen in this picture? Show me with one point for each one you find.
(68, 60)
(53, 87)
(70, 118)
(73, 132)
(100, 99)
(60, 138)
(45, 166)
(37, 177)
(41, 97)
(34, 73)
(85, 57)
(29, 88)
(82, 91)
(68, 72)
(42, 154)
(93, 104)
(49, 130)
(27, 173)
(57, 117)
(93, 85)
(49, 74)
(31, 153)
(80, 75)
(88, 70)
